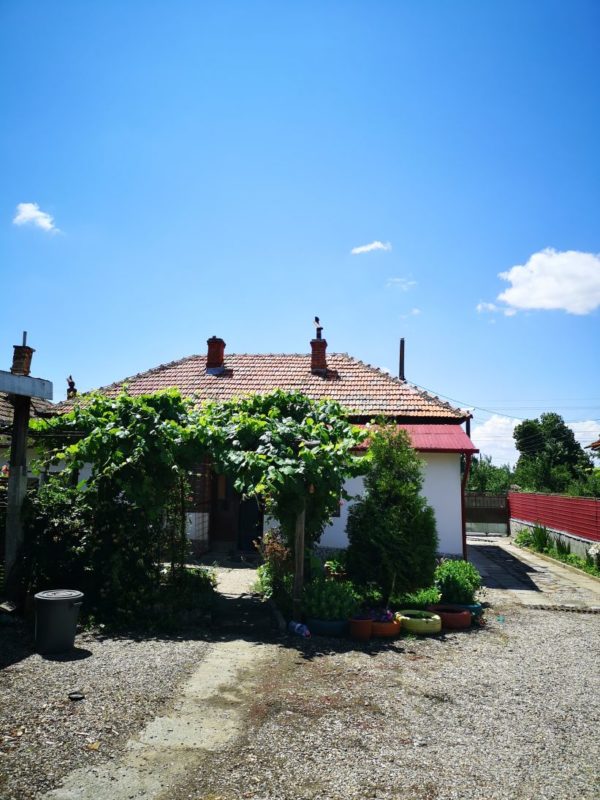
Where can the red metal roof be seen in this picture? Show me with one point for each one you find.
(437, 438)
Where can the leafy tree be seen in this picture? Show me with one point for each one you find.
(116, 531)
(550, 457)
(292, 453)
(391, 529)
(486, 477)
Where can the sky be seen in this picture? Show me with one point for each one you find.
(175, 170)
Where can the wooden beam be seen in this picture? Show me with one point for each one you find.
(298, 565)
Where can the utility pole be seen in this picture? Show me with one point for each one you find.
(20, 388)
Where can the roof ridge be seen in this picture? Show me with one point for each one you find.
(422, 392)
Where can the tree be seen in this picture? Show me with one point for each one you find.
(292, 454)
(112, 533)
(391, 529)
(486, 477)
(551, 459)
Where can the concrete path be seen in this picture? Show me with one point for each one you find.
(206, 714)
(531, 579)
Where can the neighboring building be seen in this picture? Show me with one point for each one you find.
(219, 518)
(39, 408)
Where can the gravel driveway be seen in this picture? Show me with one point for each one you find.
(44, 735)
(504, 713)
(507, 712)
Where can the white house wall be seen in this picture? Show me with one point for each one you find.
(441, 487)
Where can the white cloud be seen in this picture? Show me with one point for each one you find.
(494, 438)
(31, 214)
(368, 248)
(586, 431)
(403, 284)
(551, 280)
(483, 308)
(414, 312)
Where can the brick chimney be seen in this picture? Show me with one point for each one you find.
(215, 356)
(318, 358)
(22, 356)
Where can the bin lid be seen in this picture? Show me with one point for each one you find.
(59, 594)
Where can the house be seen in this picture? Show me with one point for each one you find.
(220, 519)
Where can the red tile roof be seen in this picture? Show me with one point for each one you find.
(436, 438)
(363, 390)
(38, 408)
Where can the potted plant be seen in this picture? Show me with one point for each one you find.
(361, 627)
(328, 605)
(457, 581)
(385, 624)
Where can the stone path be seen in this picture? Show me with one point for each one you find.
(206, 714)
(529, 578)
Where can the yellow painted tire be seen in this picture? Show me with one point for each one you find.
(419, 622)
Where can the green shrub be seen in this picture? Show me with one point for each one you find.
(330, 600)
(524, 538)
(562, 548)
(419, 599)
(457, 581)
(540, 538)
(391, 530)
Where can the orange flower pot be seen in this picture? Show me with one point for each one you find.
(386, 630)
(361, 629)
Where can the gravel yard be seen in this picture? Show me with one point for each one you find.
(44, 735)
(507, 712)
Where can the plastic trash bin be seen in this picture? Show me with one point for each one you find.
(56, 613)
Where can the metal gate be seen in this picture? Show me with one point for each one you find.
(487, 512)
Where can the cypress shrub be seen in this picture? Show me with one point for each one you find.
(391, 530)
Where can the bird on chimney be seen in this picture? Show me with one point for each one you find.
(71, 389)
(319, 327)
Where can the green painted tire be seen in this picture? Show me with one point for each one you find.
(419, 622)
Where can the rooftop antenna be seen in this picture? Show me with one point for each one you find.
(319, 328)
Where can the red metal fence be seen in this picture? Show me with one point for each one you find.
(577, 515)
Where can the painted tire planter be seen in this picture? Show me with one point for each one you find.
(476, 609)
(327, 627)
(386, 630)
(453, 617)
(361, 629)
(419, 622)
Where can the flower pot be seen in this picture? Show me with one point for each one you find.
(386, 630)
(361, 629)
(453, 617)
(327, 627)
(419, 622)
(476, 609)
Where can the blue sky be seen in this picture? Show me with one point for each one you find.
(174, 170)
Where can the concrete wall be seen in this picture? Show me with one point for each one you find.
(577, 545)
(441, 487)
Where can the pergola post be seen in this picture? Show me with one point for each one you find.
(21, 388)
(298, 564)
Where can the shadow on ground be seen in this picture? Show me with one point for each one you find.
(500, 569)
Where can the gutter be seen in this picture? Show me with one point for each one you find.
(463, 487)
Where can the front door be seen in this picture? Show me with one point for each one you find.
(250, 525)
